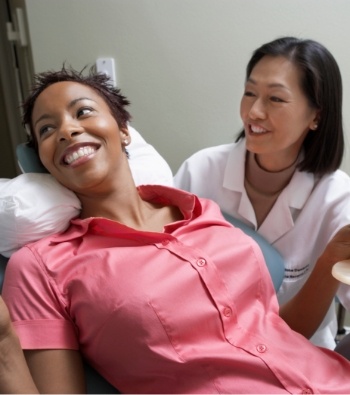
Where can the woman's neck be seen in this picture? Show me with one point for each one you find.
(276, 163)
(264, 187)
(128, 208)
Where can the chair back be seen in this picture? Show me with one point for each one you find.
(3, 263)
(343, 347)
(274, 260)
(28, 159)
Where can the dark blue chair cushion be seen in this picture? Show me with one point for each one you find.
(3, 263)
(343, 347)
(273, 258)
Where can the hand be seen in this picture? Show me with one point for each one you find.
(338, 249)
(306, 310)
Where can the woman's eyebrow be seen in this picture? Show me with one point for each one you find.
(75, 101)
(70, 105)
(271, 85)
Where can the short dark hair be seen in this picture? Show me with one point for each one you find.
(322, 85)
(101, 83)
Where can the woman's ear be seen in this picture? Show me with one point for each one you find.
(125, 136)
(315, 121)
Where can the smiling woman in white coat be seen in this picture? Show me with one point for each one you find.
(281, 176)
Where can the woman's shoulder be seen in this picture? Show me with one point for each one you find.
(337, 180)
(331, 193)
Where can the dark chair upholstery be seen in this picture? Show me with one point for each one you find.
(3, 262)
(273, 258)
(343, 347)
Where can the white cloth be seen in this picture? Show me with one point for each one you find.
(304, 218)
(35, 205)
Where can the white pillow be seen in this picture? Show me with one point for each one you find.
(32, 206)
(35, 205)
(146, 164)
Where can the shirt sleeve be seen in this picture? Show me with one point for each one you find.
(38, 311)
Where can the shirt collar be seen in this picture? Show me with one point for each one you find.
(188, 204)
(235, 170)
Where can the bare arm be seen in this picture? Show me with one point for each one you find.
(15, 377)
(57, 371)
(45, 371)
(306, 310)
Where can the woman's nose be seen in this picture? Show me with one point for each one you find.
(68, 129)
(257, 110)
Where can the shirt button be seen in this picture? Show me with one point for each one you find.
(227, 312)
(307, 391)
(261, 347)
(165, 242)
(201, 262)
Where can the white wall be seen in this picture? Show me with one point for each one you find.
(182, 62)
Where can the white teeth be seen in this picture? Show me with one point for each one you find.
(82, 151)
(257, 129)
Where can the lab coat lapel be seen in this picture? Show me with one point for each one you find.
(285, 211)
(234, 182)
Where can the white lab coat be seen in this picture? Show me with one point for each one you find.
(304, 218)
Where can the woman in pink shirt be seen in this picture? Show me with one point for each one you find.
(150, 284)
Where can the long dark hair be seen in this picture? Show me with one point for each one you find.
(322, 85)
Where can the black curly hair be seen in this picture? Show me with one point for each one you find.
(101, 83)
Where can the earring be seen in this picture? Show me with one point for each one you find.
(126, 141)
(315, 126)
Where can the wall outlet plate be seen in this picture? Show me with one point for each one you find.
(107, 66)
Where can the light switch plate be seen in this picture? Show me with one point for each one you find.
(107, 66)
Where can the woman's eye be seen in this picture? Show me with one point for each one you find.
(276, 99)
(249, 94)
(84, 111)
(44, 130)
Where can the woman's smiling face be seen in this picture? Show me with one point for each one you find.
(79, 140)
(275, 112)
